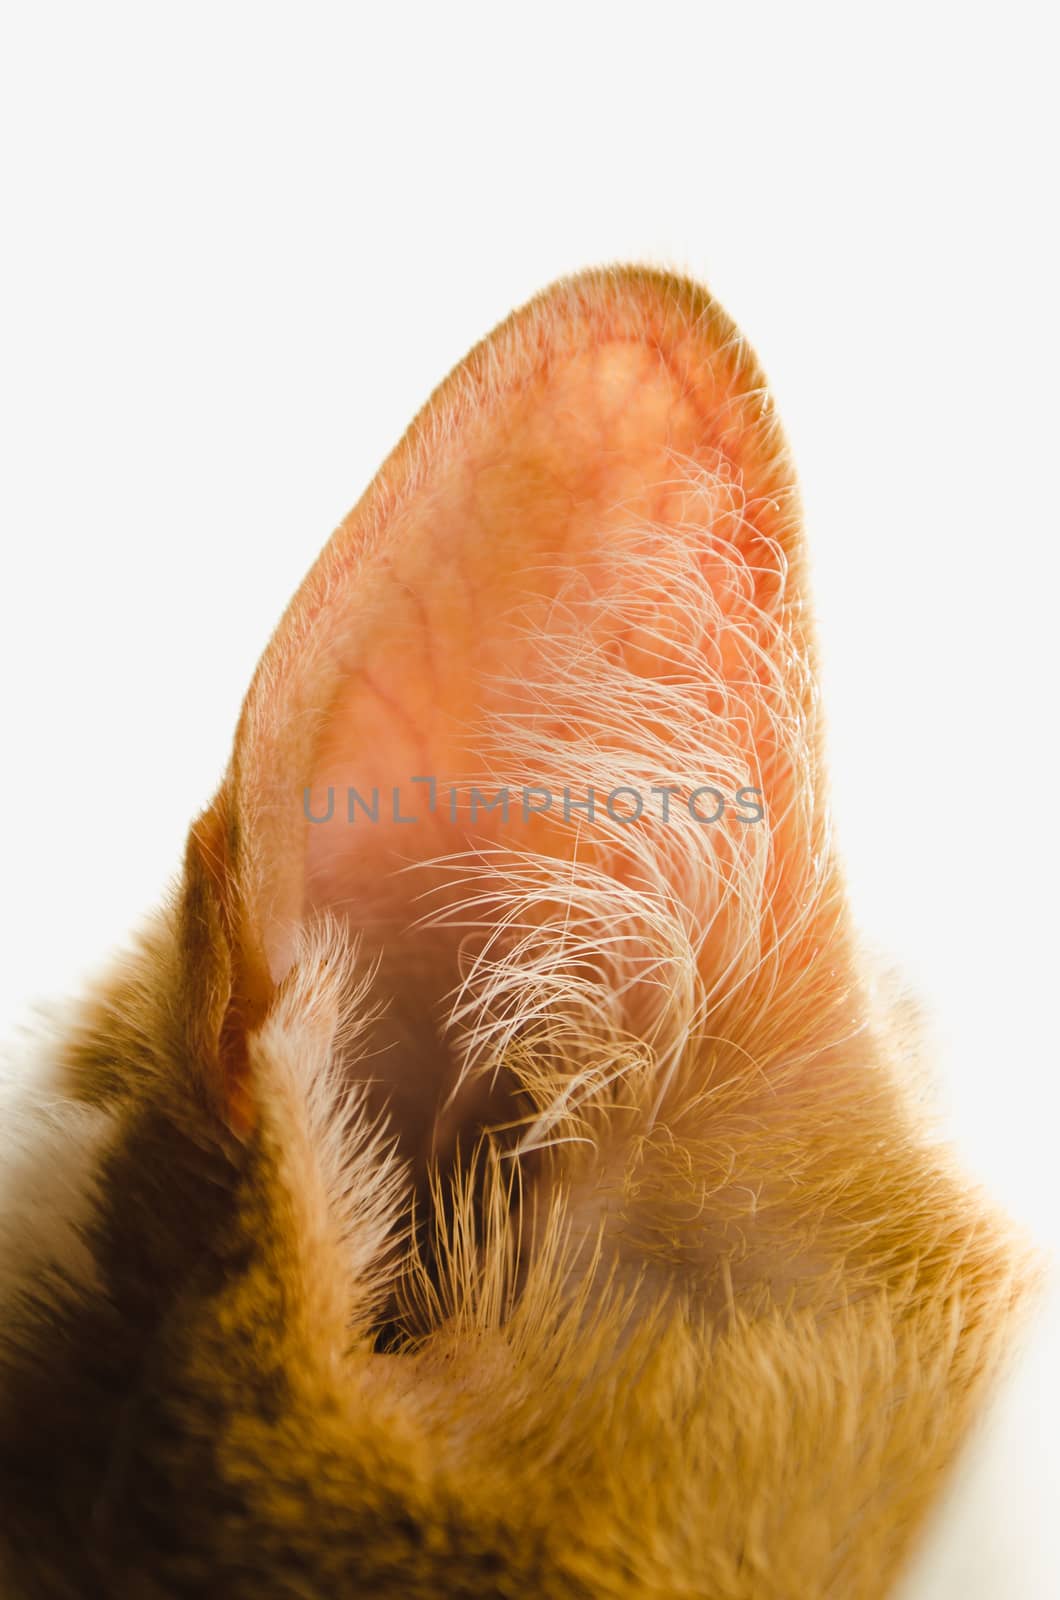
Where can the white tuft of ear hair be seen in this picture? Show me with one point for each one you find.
(587, 968)
(319, 1022)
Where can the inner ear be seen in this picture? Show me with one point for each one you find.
(556, 634)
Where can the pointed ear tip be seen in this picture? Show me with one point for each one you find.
(643, 284)
(670, 314)
(630, 297)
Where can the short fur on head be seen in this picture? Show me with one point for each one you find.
(459, 1194)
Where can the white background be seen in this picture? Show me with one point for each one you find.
(241, 245)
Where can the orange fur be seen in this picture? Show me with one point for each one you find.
(545, 1212)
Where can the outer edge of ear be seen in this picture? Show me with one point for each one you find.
(227, 990)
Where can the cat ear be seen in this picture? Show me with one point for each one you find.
(552, 672)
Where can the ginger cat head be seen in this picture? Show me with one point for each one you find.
(493, 1173)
